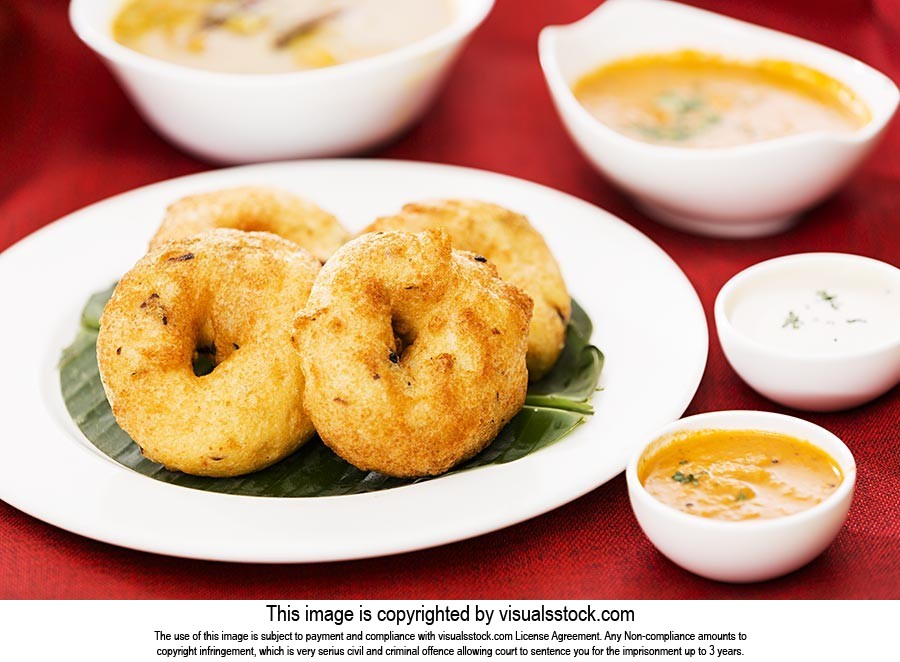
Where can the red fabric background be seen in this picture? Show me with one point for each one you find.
(70, 138)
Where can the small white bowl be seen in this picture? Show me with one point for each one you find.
(743, 191)
(240, 118)
(801, 378)
(753, 550)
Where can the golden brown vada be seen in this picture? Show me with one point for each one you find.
(520, 254)
(254, 209)
(231, 295)
(413, 353)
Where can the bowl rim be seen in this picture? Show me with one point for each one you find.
(564, 95)
(100, 40)
(724, 324)
(769, 422)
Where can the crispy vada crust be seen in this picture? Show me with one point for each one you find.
(230, 294)
(254, 208)
(520, 254)
(413, 353)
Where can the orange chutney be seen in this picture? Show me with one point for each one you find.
(702, 100)
(738, 474)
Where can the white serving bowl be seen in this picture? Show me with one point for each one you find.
(815, 382)
(742, 191)
(239, 118)
(751, 550)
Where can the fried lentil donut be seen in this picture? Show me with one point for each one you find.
(413, 353)
(520, 253)
(254, 208)
(231, 295)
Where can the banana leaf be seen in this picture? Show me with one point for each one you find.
(573, 380)
(555, 406)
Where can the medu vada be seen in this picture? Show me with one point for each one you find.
(413, 353)
(229, 295)
(520, 254)
(254, 209)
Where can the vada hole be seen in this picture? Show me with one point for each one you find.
(403, 339)
(204, 359)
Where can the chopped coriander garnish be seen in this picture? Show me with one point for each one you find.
(741, 496)
(685, 116)
(683, 462)
(677, 103)
(792, 321)
(685, 479)
(831, 299)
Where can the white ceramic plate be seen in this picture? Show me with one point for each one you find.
(647, 318)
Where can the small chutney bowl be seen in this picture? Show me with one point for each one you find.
(821, 381)
(747, 190)
(749, 550)
(241, 118)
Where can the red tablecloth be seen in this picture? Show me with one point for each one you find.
(70, 138)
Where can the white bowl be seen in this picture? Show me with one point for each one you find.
(751, 550)
(742, 191)
(815, 381)
(239, 118)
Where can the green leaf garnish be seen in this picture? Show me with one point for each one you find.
(678, 104)
(792, 321)
(687, 115)
(831, 299)
(685, 479)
